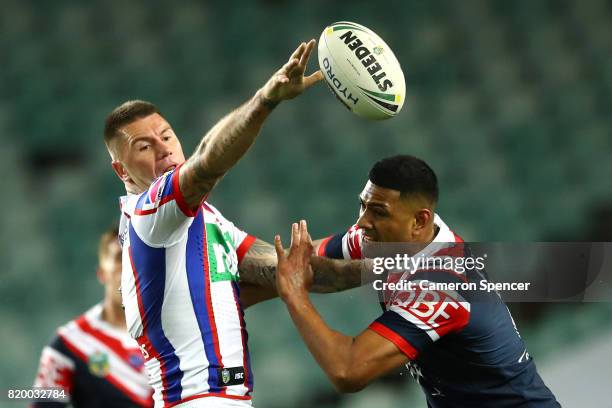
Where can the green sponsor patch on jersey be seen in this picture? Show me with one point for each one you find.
(222, 258)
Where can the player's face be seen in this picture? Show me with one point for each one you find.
(109, 272)
(385, 216)
(147, 149)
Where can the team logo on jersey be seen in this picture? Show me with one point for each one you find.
(225, 376)
(136, 359)
(98, 364)
(231, 375)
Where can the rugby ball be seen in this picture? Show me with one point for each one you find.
(361, 70)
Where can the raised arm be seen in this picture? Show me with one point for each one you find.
(232, 136)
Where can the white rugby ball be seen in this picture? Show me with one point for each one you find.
(361, 70)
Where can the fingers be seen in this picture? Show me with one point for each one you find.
(301, 56)
(306, 54)
(298, 51)
(303, 231)
(280, 252)
(289, 66)
(305, 239)
(295, 236)
(313, 79)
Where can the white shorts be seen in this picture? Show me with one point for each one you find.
(215, 402)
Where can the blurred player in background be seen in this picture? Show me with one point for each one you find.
(93, 358)
(181, 258)
(461, 346)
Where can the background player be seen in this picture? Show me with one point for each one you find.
(93, 358)
(462, 347)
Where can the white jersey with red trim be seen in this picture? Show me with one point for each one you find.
(181, 296)
(95, 364)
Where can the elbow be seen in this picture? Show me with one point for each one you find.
(346, 383)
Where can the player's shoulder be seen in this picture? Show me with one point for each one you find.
(74, 333)
(89, 331)
(67, 339)
(160, 191)
(71, 326)
(213, 215)
(354, 229)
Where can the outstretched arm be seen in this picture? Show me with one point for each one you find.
(232, 136)
(349, 362)
(258, 274)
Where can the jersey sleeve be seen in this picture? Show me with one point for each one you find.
(346, 245)
(55, 369)
(419, 317)
(160, 215)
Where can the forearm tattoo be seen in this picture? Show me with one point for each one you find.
(259, 265)
(335, 275)
(220, 149)
(329, 275)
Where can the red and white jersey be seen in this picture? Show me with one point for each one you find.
(181, 296)
(96, 364)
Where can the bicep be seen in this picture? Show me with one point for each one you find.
(252, 294)
(258, 266)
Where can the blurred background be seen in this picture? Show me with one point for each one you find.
(508, 101)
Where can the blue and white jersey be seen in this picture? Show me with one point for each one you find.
(181, 296)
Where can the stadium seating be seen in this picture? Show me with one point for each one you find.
(509, 102)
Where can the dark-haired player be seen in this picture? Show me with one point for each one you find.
(92, 358)
(461, 346)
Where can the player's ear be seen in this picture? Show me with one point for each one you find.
(120, 171)
(422, 218)
(100, 275)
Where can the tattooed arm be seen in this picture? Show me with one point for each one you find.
(232, 136)
(258, 274)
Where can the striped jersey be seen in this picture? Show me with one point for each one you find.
(95, 364)
(463, 346)
(181, 296)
